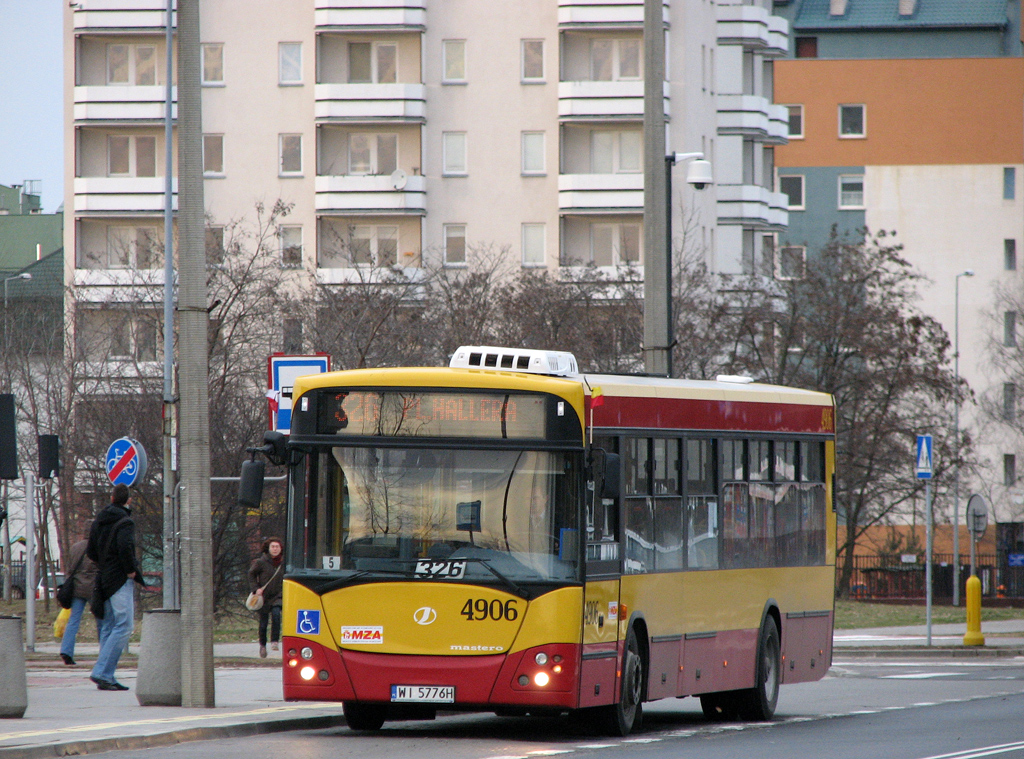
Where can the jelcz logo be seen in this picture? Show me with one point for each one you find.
(363, 635)
(424, 615)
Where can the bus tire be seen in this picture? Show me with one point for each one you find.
(758, 704)
(627, 715)
(364, 716)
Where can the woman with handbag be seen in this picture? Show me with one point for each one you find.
(83, 575)
(266, 580)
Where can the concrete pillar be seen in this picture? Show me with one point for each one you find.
(159, 674)
(13, 686)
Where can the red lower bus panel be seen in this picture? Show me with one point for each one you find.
(598, 675)
(806, 648)
(374, 674)
(329, 681)
(517, 683)
(723, 661)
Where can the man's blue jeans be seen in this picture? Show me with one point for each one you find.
(114, 629)
(67, 643)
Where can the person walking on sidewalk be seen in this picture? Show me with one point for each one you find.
(83, 575)
(112, 547)
(266, 578)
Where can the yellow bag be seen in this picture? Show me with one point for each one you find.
(60, 623)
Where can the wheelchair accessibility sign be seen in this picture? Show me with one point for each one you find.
(308, 622)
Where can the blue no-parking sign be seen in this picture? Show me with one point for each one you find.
(126, 462)
(924, 457)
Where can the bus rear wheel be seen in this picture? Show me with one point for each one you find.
(364, 716)
(758, 704)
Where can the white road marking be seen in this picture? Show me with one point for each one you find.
(922, 675)
(976, 753)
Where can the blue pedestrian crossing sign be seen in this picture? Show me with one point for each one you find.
(924, 457)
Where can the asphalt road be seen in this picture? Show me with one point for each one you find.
(879, 709)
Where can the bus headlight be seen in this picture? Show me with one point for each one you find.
(541, 679)
(307, 673)
(541, 658)
(307, 653)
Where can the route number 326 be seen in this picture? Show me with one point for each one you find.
(479, 609)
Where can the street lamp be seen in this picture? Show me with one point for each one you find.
(23, 275)
(956, 439)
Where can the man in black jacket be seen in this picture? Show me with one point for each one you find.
(112, 547)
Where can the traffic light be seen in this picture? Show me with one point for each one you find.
(49, 457)
(8, 439)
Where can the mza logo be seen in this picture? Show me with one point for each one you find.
(363, 635)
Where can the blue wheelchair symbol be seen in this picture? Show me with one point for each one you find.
(308, 622)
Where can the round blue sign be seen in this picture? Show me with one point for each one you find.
(126, 462)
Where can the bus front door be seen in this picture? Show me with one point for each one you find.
(600, 656)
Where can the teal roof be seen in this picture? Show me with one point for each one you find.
(814, 15)
(19, 235)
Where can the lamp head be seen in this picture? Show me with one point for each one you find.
(968, 273)
(25, 275)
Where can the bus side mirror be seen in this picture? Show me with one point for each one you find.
(275, 446)
(611, 487)
(250, 486)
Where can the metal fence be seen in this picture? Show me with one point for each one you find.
(888, 578)
(16, 569)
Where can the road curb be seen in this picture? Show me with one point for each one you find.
(894, 652)
(171, 738)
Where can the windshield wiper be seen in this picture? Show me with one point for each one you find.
(507, 580)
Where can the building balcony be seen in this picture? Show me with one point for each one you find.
(371, 14)
(601, 193)
(370, 102)
(121, 194)
(603, 100)
(370, 194)
(752, 206)
(753, 115)
(127, 15)
(778, 36)
(753, 27)
(604, 13)
(122, 103)
(104, 278)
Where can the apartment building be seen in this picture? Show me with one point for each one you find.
(905, 116)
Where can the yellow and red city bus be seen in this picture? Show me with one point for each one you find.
(508, 534)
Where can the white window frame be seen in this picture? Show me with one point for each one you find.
(373, 147)
(133, 155)
(282, 80)
(281, 171)
(213, 172)
(538, 258)
(863, 121)
(286, 235)
(204, 48)
(803, 190)
(850, 206)
(789, 110)
(616, 154)
(375, 48)
(374, 239)
(447, 144)
(448, 48)
(617, 229)
(533, 171)
(132, 54)
(451, 232)
(522, 62)
(616, 62)
(799, 250)
(128, 234)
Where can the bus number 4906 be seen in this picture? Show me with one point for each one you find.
(480, 609)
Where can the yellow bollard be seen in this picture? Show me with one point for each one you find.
(973, 636)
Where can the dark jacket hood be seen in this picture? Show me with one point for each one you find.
(111, 514)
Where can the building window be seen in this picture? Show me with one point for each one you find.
(215, 246)
(1010, 255)
(533, 245)
(616, 152)
(532, 61)
(131, 64)
(213, 155)
(1009, 183)
(613, 60)
(806, 47)
(852, 122)
(130, 247)
(372, 245)
(1009, 401)
(291, 330)
(291, 246)
(290, 163)
(454, 53)
(796, 122)
(791, 262)
(372, 154)
(533, 152)
(792, 186)
(289, 63)
(131, 156)
(453, 149)
(455, 244)
(851, 191)
(615, 244)
(1010, 329)
(1009, 470)
(213, 63)
(372, 62)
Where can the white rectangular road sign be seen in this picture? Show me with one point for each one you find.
(924, 457)
(283, 371)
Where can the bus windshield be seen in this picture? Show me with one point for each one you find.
(509, 516)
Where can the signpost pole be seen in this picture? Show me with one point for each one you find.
(928, 558)
(30, 560)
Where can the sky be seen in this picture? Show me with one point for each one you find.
(31, 92)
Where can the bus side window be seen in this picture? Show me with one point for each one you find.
(701, 505)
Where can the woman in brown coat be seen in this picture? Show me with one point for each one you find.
(266, 578)
(83, 570)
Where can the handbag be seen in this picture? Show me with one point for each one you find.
(65, 593)
(254, 601)
(60, 623)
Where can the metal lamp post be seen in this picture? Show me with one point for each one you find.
(956, 440)
(6, 534)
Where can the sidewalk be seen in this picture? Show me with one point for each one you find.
(67, 715)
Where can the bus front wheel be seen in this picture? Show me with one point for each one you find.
(627, 714)
(758, 703)
(364, 716)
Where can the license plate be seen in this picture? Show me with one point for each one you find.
(423, 694)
